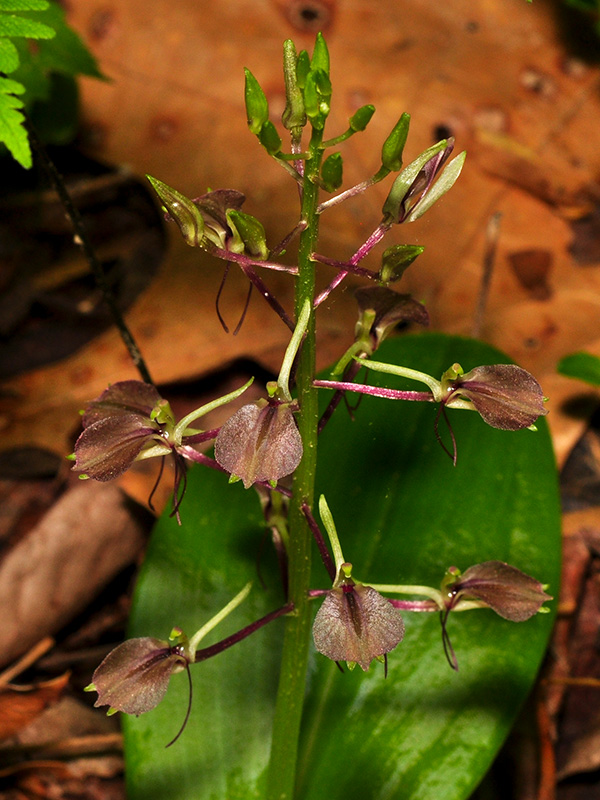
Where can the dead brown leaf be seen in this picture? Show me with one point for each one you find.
(19, 705)
(89, 535)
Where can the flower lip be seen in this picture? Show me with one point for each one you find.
(260, 442)
(356, 624)
(134, 677)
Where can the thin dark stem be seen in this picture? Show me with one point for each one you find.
(200, 458)
(189, 707)
(448, 649)
(283, 244)
(316, 532)
(83, 240)
(271, 299)
(362, 251)
(351, 372)
(374, 391)
(229, 641)
(415, 605)
(246, 261)
(442, 412)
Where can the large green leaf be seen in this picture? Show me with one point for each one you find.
(404, 514)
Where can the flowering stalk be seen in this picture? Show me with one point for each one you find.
(290, 697)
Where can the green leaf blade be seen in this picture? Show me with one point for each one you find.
(12, 132)
(190, 573)
(583, 366)
(24, 27)
(426, 731)
(23, 5)
(9, 57)
(404, 514)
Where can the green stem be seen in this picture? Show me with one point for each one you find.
(290, 697)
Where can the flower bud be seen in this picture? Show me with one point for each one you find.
(269, 138)
(320, 56)
(294, 116)
(332, 172)
(414, 191)
(361, 118)
(257, 106)
(396, 260)
(181, 209)
(250, 231)
(393, 147)
(390, 309)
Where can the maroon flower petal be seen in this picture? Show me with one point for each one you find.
(134, 677)
(260, 442)
(509, 592)
(109, 446)
(357, 624)
(505, 395)
(124, 397)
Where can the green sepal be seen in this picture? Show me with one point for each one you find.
(183, 210)
(302, 68)
(294, 115)
(361, 118)
(332, 172)
(320, 56)
(443, 184)
(317, 93)
(393, 147)
(404, 181)
(250, 231)
(269, 138)
(396, 260)
(257, 106)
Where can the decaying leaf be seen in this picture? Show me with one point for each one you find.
(89, 535)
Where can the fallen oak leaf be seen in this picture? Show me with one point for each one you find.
(19, 705)
(90, 534)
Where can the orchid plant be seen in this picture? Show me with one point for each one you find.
(273, 447)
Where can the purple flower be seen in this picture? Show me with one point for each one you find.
(134, 677)
(126, 422)
(506, 396)
(509, 592)
(260, 442)
(356, 624)
(505, 589)
(381, 310)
